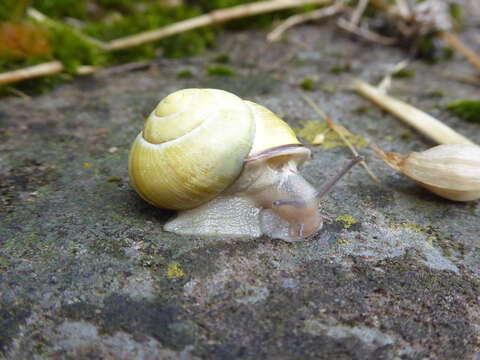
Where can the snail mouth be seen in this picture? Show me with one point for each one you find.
(290, 149)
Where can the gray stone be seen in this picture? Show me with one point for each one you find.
(84, 263)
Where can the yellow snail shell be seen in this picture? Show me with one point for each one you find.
(228, 165)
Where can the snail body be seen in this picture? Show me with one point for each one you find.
(227, 165)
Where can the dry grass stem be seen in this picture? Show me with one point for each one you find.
(50, 68)
(426, 124)
(340, 131)
(358, 12)
(463, 78)
(403, 8)
(386, 82)
(214, 17)
(454, 42)
(365, 33)
(277, 32)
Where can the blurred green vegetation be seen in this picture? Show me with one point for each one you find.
(105, 20)
(468, 110)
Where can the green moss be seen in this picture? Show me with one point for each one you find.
(338, 69)
(468, 110)
(361, 110)
(114, 179)
(434, 94)
(184, 74)
(220, 70)
(222, 58)
(307, 84)
(456, 14)
(62, 8)
(11, 9)
(72, 50)
(426, 49)
(448, 53)
(403, 74)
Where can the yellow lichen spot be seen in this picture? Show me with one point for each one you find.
(87, 165)
(174, 271)
(412, 226)
(388, 138)
(310, 129)
(343, 241)
(347, 220)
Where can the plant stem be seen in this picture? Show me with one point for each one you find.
(214, 17)
(426, 124)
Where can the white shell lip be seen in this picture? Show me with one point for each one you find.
(299, 150)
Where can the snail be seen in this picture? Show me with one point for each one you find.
(229, 166)
(451, 171)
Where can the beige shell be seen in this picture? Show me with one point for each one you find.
(451, 171)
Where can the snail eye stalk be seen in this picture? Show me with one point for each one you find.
(330, 185)
(298, 203)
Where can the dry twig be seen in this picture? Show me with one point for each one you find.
(365, 33)
(340, 131)
(454, 42)
(423, 122)
(294, 20)
(358, 12)
(214, 17)
(50, 68)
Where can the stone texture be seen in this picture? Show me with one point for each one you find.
(84, 263)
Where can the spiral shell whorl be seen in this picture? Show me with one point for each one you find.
(192, 148)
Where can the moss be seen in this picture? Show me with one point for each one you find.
(11, 9)
(338, 69)
(220, 70)
(114, 179)
(456, 15)
(183, 74)
(72, 50)
(468, 110)
(360, 110)
(448, 53)
(307, 84)
(223, 58)
(434, 94)
(426, 49)
(403, 74)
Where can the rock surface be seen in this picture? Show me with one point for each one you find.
(87, 272)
